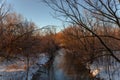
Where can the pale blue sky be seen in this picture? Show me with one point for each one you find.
(35, 11)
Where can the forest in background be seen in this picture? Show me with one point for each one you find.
(90, 39)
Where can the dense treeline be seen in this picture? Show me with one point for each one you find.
(88, 43)
(93, 38)
(84, 50)
(21, 39)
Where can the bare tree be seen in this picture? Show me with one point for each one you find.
(91, 16)
(72, 11)
(83, 49)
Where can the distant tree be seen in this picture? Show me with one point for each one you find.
(72, 10)
(85, 49)
(97, 20)
(18, 37)
(48, 46)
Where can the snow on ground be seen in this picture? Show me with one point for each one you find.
(17, 71)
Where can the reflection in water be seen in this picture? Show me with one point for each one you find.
(100, 68)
